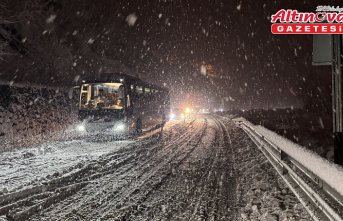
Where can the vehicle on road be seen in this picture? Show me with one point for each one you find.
(175, 114)
(121, 103)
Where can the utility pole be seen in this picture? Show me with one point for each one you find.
(337, 98)
(327, 50)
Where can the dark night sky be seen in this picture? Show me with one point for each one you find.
(168, 44)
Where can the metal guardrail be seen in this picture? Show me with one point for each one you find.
(321, 200)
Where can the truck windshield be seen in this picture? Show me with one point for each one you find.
(102, 96)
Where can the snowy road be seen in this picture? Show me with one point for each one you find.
(203, 169)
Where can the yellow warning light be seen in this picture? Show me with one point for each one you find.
(187, 110)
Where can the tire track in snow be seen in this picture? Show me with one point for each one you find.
(159, 175)
(106, 165)
(198, 189)
(123, 179)
(217, 191)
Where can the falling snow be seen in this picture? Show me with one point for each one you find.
(131, 19)
(51, 19)
(217, 59)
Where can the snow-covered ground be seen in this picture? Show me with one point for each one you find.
(202, 169)
(26, 167)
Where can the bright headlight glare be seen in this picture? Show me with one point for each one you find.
(119, 127)
(171, 116)
(81, 128)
